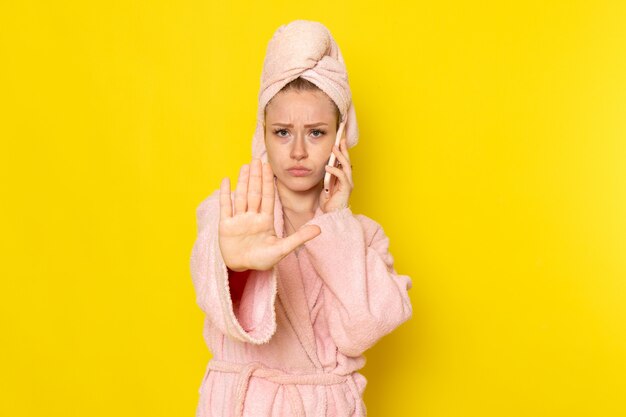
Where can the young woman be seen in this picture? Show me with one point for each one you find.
(295, 286)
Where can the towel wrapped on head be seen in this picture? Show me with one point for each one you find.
(305, 49)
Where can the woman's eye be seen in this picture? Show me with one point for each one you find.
(282, 133)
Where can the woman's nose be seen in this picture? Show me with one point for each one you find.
(298, 151)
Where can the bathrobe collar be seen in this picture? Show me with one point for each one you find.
(291, 292)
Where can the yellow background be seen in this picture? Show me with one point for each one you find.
(492, 151)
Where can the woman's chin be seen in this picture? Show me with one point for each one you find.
(301, 184)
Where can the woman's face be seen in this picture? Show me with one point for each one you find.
(300, 129)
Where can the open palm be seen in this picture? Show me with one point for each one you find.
(247, 237)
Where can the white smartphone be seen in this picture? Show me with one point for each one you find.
(333, 158)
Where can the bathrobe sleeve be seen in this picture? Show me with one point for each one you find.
(365, 298)
(245, 312)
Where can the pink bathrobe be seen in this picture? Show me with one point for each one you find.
(289, 341)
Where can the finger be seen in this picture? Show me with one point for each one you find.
(302, 235)
(267, 202)
(241, 193)
(226, 205)
(336, 176)
(254, 186)
(345, 163)
(337, 172)
(340, 176)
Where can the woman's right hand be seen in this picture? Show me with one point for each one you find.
(247, 237)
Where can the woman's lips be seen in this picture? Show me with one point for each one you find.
(299, 172)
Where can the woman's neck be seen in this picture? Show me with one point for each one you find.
(299, 202)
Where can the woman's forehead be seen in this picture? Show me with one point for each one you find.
(305, 105)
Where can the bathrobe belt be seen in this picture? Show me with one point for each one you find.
(247, 370)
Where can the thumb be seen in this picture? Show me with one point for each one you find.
(304, 234)
(308, 232)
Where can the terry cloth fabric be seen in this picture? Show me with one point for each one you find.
(293, 341)
(305, 49)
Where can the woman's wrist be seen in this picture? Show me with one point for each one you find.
(341, 207)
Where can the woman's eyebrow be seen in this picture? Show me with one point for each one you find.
(290, 125)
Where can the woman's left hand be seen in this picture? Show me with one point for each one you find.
(341, 184)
